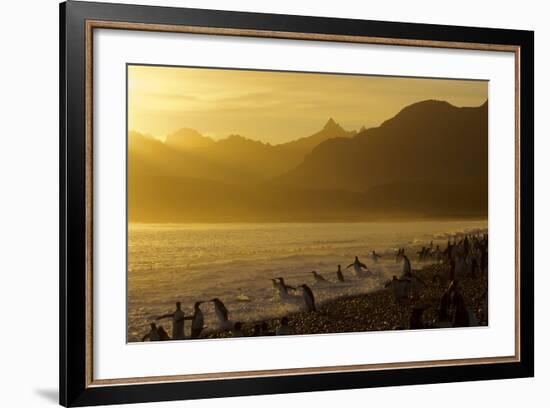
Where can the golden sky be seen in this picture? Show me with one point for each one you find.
(275, 107)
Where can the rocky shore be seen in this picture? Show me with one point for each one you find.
(379, 310)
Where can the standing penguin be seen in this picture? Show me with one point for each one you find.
(222, 314)
(163, 334)
(399, 287)
(416, 321)
(461, 317)
(407, 270)
(309, 299)
(197, 322)
(318, 277)
(285, 286)
(399, 254)
(282, 288)
(284, 328)
(153, 334)
(178, 320)
(339, 274)
(237, 330)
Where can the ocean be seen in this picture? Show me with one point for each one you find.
(235, 262)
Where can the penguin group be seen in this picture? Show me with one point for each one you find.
(178, 317)
(463, 257)
(360, 269)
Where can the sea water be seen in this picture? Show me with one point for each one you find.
(235, 262)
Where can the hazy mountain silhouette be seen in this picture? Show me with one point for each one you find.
(234, 159)
(430, 141)
(331, 130)
(188, 139)
(430, 160)
(150, 158)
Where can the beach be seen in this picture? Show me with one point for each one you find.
(236, 262)
(378, 310)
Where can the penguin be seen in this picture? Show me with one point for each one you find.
(153, 334)
(284, 286)
(444, 312)
(257, 330)
(448, 252)
(460, 267)
(277, 286)
(424, 253)
(421, 254)
(309, 299)
(339, 274)
(466, 246)
(162, 334)
(399, 254)
(237, 330)
(318, 278)
(415, 284)
(407, 271)
(358, 267)
(284, 329)
(178, 320)
(452, 270)
(222, 314)
(473, 268)
(461, 317)
(264, 330)
(375, 256)
(416, 321)
(437, 254)
(197, 323)
(399, 288)
(484, 306)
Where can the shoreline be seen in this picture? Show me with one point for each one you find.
(376, 310)
(386, 307)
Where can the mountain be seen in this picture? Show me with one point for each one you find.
(331, 130)
(257, 161)
(234, 160)
(188, 139)
(148, 156)
(429, 161)
(430, 141)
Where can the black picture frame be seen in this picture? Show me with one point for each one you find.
(74, 390)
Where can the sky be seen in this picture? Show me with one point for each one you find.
(276, 107)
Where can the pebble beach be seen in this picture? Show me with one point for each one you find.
(378, 310)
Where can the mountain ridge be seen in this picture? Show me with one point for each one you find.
(438, 131)
(428, 161)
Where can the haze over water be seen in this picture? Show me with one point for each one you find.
(192, 262)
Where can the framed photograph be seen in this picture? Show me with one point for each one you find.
(256, 204)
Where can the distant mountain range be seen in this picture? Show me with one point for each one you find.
(429, 161)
